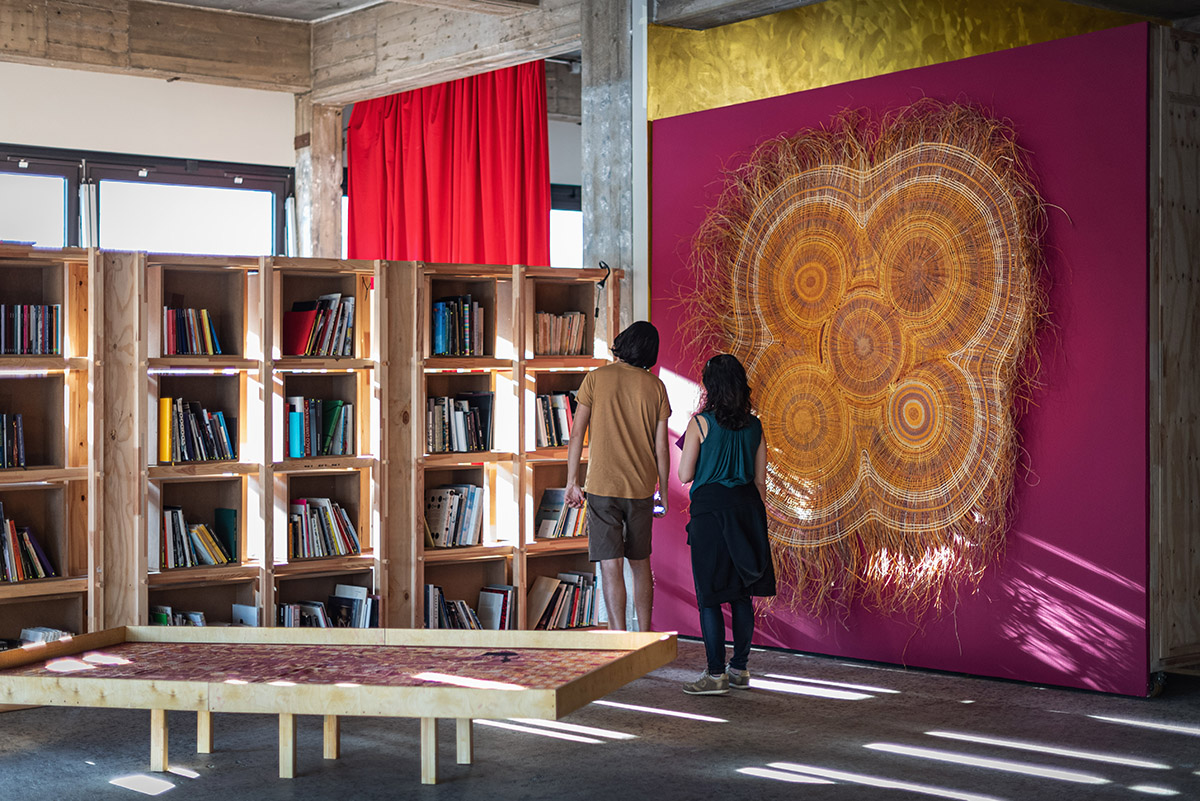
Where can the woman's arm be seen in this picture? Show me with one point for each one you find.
(691, 452)
(760, 469)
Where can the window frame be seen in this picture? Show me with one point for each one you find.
(88, 167)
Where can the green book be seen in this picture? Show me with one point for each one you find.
(225, 528)
(331, 414)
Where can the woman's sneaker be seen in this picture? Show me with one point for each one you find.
(708, 685)
(738, 679)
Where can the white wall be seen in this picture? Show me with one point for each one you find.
(78, 110)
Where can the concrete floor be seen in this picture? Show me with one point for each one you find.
(815, 728)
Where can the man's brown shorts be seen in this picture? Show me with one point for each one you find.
(619, 527)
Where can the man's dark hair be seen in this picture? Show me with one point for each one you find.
(637, 345)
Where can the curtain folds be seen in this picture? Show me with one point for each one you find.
(458, 172)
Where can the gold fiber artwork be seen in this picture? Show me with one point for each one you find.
(880, 280)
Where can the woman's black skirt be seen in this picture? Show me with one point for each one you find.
(731, 557)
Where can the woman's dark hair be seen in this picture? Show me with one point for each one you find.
(637, 345)
(726, 391)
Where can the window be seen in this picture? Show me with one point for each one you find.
(33, 209)
(141, 203)
(566, 225)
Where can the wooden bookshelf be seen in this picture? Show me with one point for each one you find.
(514, 470)
(54, 493)
(348, 475)
(216, 302)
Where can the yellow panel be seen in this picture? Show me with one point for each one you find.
(844, 40)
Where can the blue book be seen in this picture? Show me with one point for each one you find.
(295, 435)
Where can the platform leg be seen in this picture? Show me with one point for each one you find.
(466, 743)
(333, 737)
(287, 745)
(428, 750)
(158, 740)
(204, 732)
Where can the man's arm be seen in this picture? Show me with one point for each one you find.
(579, 427)
(663, 455)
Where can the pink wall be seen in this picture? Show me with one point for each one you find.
(1068, 603)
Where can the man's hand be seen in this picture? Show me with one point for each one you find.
(575, 496)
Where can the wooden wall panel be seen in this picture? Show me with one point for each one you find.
(158, 40)
(394, 47)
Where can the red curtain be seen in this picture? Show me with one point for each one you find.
(458, 172)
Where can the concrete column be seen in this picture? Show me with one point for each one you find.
(607, 114)
(318, 179)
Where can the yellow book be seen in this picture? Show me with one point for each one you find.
(165, 413)
(207, 345)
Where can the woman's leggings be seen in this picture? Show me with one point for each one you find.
(712, 628)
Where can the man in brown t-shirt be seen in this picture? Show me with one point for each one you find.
(626, 407)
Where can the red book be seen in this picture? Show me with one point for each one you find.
(297, 327)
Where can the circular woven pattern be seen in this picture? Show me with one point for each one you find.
(879, 286)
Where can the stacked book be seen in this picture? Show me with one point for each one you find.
(563, 602)
(319, 527)
(321, 327)
(457, 327)
(167, 616)
(498, 607)
(184, 544)
(553, 418)
(21, 555)
(441, 613)
(189, 332)
(352, 606)
(188, 432)
(454, 515)
(309, 614)
(460, 424)
(30, 330)
(559, 334)
(12, 440)
(555, 518)
(318, 427)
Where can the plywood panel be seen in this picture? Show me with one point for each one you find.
(123, 564)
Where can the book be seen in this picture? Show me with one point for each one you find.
(297, 330)
(245, 615)
(225, 529)
(554, 499)
(540, 595)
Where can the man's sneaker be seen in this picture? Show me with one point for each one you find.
(708, 685)
(738, 679)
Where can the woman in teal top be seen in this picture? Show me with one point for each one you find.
(725, 458)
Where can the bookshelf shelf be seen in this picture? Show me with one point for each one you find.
(468, 553)
(557, 546)
(38, 475)
(203, 576)
(327, 566)
(204, 365)
(183, 471)
(49, 490)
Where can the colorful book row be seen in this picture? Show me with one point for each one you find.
(183, 544)
(187, 432)
(319, 527)
(457, 327)
(559, 334)
(321, 327)
(30, 330)
(319, 427)
(189, 332)
(460, 424)
(21, 555)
